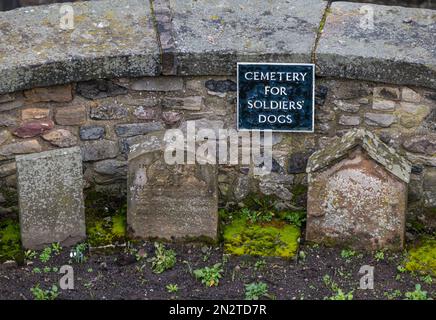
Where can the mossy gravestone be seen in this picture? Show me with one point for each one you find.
(357, 193)
(170, 201)
(50, 189)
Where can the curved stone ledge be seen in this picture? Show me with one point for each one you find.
(109, 39)
(132, 38)
(211, 35)
(400, 48)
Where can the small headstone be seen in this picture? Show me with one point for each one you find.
(357, 193)
(51, 204)
(173, 202)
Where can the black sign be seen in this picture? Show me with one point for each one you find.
(276, 96)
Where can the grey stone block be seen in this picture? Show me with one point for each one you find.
(91, 132)
(158, 84)
(110, 39)
(50, 190)
(99, 150)
(399, 49)
(379, 119)
(136, 129)
(170, 201)
(211, 36)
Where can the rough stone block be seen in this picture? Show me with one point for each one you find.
(397, 49)
(379, 119)
(51, 198)
(425, 144)
(410, 95)
(110, 39)
(99, 89)
(389, 93)
(210, 37)
(383, 105)
(109, 111)
(188, 103)
(70, 116)
(136, 129)
(21, 147)
(170, 201)
(50, 94)
(4, 136)
(35, 114)
(346, 106)
(8, 120)
(61, 138)
(158, 84)
(91, 132)
(99, 150)
(412, 114)
(349, 120)
(33, 128)
(357, 194)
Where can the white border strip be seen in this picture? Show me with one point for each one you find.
(276, 63)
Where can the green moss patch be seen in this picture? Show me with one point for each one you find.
(105, 219)
(108, 230)
(422, 257)
(275, 238)
(10, 240)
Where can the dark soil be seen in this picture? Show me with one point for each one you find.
(118, 275)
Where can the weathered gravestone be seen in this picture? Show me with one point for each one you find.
(170, 201)
(357, 193)
(50, 191)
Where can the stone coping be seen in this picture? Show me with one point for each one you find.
(134, 38)
(110, 39)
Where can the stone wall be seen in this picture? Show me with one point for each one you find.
(105, 117)
(119, 88)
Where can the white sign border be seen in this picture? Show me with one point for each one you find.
(276, 63)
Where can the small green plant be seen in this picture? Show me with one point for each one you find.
(140, 255)
(392, 294)
(255, 290)
(29, 254)
(189, 267)
(56, 248)
(47, 269)
(427, 279)
(348, 254)
(78, 253)
(45, 255)
(338, 293)
(257, 216)
(172, 288)
(297, 218)
(36, 270)
(302, 255)
(226, 258)
(418, 294)
(164, 259)
(259, 265)
(401, 269)
(207, 251)
(40, 294)
(209, 276)
(379, 255)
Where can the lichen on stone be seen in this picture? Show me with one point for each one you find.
(376, 149)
